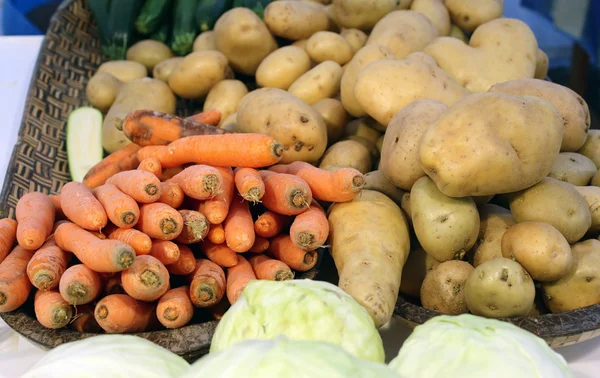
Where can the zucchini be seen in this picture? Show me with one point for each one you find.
(162, 33)
(122, 15)
(84, 141)
(184, 26)
(99, 10)
(209, 11)
(257, 6)
(153, 15)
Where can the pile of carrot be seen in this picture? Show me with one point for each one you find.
(159, 233)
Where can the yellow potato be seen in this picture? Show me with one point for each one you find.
(364, 14)
(321, 82)
(198, 73)
(469, 14)
(510, 144)
(295, 19)
(368, 144)
(405, 205)
(225, 97)
(591, 195)
(418, 264)
(230, 123)
(498, 51)
(102, 89)
(591, 147)
(362, 127)
(481, 200)
(356, 38)
(596, 179)
(494, 221)
(348, 153)
(379, 143)
(573, 168)
(325, 45)
(124, 70)
(420, 56)
(541, 65)
(335, 117)
(376, 180)
(436, 11)
(205, 41)
(282, 67)
(443, 288)
(455, 32)
(163, 70)
(149, 53)
(300, 43)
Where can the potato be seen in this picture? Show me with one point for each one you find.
(403, 32)
(436, 11)
(348, 153)
(362, 127)
(540, 248)
(205, 41)
(596, 179)
(163, 70)
(469, 14)
(555, 202)
(335, 117)
(197, 73)
(418, 264)
(146, 93)
(580, 287)
(368, 144)
(244, 39)
(323, 81)
(541, 65)
(400, 160)
(420, 56)
(499, 288)
(149, 53)
(379, 143)
(446, 227)
(591, 147)
(300, 43)
(356, 38)
(384, 87)
(510, 144)
(101, 90)
(285, 117)
(282, 67)
(481, 200)
(370, 243)
(443, 288)
(494, 221)
(573, 109)
(591, 195)
(361, 59)
(498, 51)
(295, 20)
(225, 97)
(376, 180)
(455, 32)
(326, 45)
(573, 168)
(230, 123)
(405, 205)
(124, 70)
(364, 14)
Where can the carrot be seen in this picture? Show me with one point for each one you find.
(199, 181)
(114, 285)
(175, 308)
(124, 159)
(237, 279)
(122, 210)
(35, 219)
(160, 221)
(146, 280)
(151, 165)
(165, 251)
(99, 235)
(185, 264)
(310, 229)
(283, 249)
(171, 194)
(81, 207)
(218, 311)
(339, 186)
(270, 224)
(227, 150)
(217, 207)
(14, 284)
(207, 285)
(120, 313)
(209, 117)
(216, 234)
(140, 242)
(151, 128)
(47, 266)
(84, 320)
(58, 212)
(80, 285)
(169, 173)
(8, 236)
(260, 245)
(142, 186)
(285, 194)
(267, 268)
(249, 184)
(239, 226)
(195, 227)
(102, 256)
(51, 310)
(220, 254)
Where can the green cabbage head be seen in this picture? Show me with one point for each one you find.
(282, 357)
(469, 346)
(301, 310)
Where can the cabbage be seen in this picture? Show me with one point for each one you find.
(470, 346)
(111, 356)
(282, 357)
(301, 310)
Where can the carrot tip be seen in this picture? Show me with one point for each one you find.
(128, 217)
(171, 313)
(168, 225)
(149, 278)
(102, 312)
(304, 239)
(151, 189)
(284, 275)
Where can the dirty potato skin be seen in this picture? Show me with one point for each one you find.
(573, 168)
(591, 195)
(443, 287)
(591, 147)
(418, 264)
(494, 221)
(348, 153)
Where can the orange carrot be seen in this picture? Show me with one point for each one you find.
(209, 117)
(207, 285)
(51, 310)
(142, 186)
(260, 245)
(169, 173)
(151, 165)
(165, 251)
(249, 184)
(217, 207)
(199, 181)
(237, 279)
(146, 280)
(58, 212)
(185, 264)
(8, 236)
(119, 313)
(220, 254)
(339, 186)
(140, 242)
(195, 227)
(14, 284)
(267, 268)
(239, 226)
(310, 229)
(81, 207)
(124, 159)
(171, 194)
(47, 266)
(114, 285)
(80, 285)
(160, 221)
(99, 235)
(102, 256)
(270, 224)
(84, 320)
(283, 249)
(227, 150)
(285, 194)
(175, 308)
(218, 311)
(216, 234)
(122, 210)
(35, 219)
